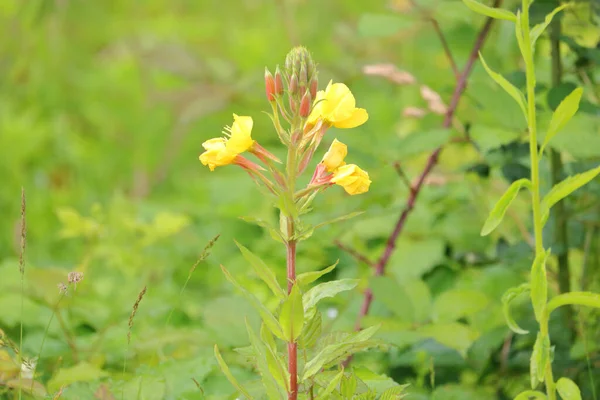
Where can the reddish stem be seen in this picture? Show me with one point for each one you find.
(431, 162)
(292, 347)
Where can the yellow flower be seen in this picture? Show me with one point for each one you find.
(334, 158)
(353, 179)
(223, 151)
(336, 106)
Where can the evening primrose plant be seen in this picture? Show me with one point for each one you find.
(292, 354)
(543, 306)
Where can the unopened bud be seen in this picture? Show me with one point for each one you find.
(278, 82)
(293, 88)
(269, 85)
(303, 78)
(314, 83)
(293, 107)
(305, 104)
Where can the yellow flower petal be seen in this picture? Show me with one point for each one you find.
(353, 179)
(359, 116)
(334, 158)
(336, 106)
(216, 154)
(241, 130)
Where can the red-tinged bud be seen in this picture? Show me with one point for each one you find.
(296, 136)
(293, 89)
(303, 78)
(314, 85)
(278, 82)
(305, 161)
(263, 154)
(247, 164)
(269, 85)
(305, 105)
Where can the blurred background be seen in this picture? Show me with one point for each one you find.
(103, 109)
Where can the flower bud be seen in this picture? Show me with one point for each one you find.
(299, 68)
(303, 77)
(293, 86)
(269, 85)
(314, 83)
(278, 82)
(305, 105)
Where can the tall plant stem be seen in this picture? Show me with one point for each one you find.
(535, 174)
(292, 346)
(561, 237)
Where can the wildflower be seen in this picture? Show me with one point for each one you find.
(334, 158)
(224, 151)
(337, 107)
(353, 179)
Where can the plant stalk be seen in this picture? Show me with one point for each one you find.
(291, 278)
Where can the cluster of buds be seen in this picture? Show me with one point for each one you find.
(294, 97)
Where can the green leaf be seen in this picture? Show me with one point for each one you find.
(229, 375)
(497, 213)
(506, 85)
(324, 394)
(491, 12)
(312, 328)
(563, 114)
(568, 389)
(309, 277)
(274, 232)
(263, 271)
(339, 219)
(454, 304)
(409, 301)
(507, 298)
(519, 33)
(352, 343)
(394, 393)
(565, 188)
(538, 29)
(348, 386)
(588, 299)
(265, 314)
(277, 366)
(454, 335)
(273, 379)
(539, 284)
(540, 357)
(529, 394)
(291, 317)
(82, 372)
(419, 142)
(378, 25)
(327, 289)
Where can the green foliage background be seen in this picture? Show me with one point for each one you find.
(103, 108)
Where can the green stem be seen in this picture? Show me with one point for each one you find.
(535, 174)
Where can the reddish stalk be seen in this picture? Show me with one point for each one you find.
(431, 162)
(292, 347)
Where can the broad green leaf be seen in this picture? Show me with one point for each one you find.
(419, 142)
(529, 394)
(273, 380)
(409, 301)
(82, 372)
(263, 271)
(327, 289)
(563, 114)
(352, 343)
(394, 393)
(538, 29)
(291, 317)
(348, 386)
(568, 389)
(309, 277)
(497, 213)
(588, 299)
(265, 314)
(229, 375)
(381, 25)
(507, 298)
(339, 219)
(312, 328)
(491, 12)
(539, 284)
(325, 393)
(454, 304)
(454, 335)
(506, 85)
(540, 357)
(565, 188)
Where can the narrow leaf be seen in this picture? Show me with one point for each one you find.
(265, 314)
(540, 357)
(539, 284)
(324, 394)
(291, 317)
(588, 299)
(507, 298)
(263, 271)
(538, 29)
(565, 188)
(339, 219)
(327, 289)
(275, 234)
(506, 85)
(568, 389)
(519, 32)
(529, 394)
(497, 213)
(274, 381)
(496, 13)
(563, 114)
(229, 375)
(310, 277)
(311, 331)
